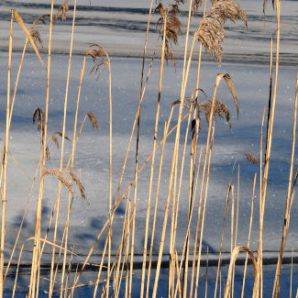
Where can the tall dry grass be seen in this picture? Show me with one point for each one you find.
(116, 272)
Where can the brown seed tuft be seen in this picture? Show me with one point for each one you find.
(54, 138)
(92, 119)
(220, 110)
(99, 57)
(36, 36)
(251, 158)
(38, 118)
(62, 12)
(232, 89)
(173, 26)
(195, 5)
(48, 155)
(79, 184)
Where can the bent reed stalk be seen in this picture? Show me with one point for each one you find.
(119, 266)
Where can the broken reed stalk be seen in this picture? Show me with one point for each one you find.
(289, 201)
(36, 248)
(258, 286)
(154, 146)
(222, 239)
(5, 158)
(249, 232)
(236, 251)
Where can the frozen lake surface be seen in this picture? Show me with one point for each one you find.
(91, 160)
(120, 26)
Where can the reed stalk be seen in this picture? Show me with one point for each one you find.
(36, 247)
(258, 286)
(222, 239)
(154, 146)
(249, 233)
(5, 157)
(236, 251)
(288, 203)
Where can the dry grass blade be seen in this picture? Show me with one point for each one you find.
(54, 138)
(251, 158)
(68, 180)
(19, 20)
(232, 89)
(211, 29)
(92, 119)
(60, 175)
(79, 184)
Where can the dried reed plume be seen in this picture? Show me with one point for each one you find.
(195, 5)
(211, 29)
(68, 180)
(264, 5)
(220, 110)
(39, 118)
(251, 158)
(36, 36)
(34, 29)
(54, 138)
(92, 119)
(99, 57)
(173, 26)
(62, 12)
(28, 34)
